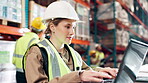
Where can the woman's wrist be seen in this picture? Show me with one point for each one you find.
(80, 74)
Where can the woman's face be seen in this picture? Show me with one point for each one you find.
(64, 31)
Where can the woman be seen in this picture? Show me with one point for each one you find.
(63, 64)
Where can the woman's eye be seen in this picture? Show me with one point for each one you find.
(67, 27)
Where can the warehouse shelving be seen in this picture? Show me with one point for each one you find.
(130, 30)
(14, 34)
(123, 5)
(27, 13)
(10, 30)
(82, 32)
(82, 42)
(9, 33)
(14, 31)
(96, 23)
(135, 17)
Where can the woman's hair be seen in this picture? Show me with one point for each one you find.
(55, 21)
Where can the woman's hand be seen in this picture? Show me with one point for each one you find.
(111, 71)
(94, 76)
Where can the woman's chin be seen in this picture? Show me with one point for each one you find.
(68, 42)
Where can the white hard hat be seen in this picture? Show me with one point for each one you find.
(60, 9)
(97, 45)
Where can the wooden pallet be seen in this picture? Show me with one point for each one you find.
(10, 23)
(108, 21)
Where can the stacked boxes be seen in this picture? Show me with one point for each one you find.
(129, 4)
(139, 29)
(3, 8)
(83, 26)
(106, 12)
(11, 11)
(36, 10)
(7, 73)
(6, 51)
(7, 69)
(122, 37)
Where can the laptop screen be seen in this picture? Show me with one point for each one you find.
(133, 59)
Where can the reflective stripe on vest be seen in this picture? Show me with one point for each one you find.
(18, 57)
(21, 56)
(53, 60)
(56, 65)
(19, 70)
(29, 44)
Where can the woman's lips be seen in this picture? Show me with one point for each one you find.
(69, 37)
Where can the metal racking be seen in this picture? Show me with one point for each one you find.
(12, 33)
(97, 24)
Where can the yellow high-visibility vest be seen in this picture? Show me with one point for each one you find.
(22, 44)
(56, 65)
(99, 55)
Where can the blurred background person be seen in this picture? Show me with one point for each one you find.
(96, 56)
(23, 43)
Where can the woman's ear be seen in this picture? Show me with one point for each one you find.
(52, 27)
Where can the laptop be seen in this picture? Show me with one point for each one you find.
(133, 59)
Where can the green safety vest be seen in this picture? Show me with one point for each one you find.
(56, 65)
(99, 55)
(21, 47)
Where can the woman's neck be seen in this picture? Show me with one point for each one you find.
(59, 46)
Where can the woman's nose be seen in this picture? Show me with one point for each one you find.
(72, 32)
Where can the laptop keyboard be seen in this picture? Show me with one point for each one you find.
(108, 81)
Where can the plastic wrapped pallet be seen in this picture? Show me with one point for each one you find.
(129, 4)
(106, 11)
(7, 73)
(125, 38)
(3, 1)
(12, 14)
(142, 31)
(145, 34)
(121, 39)
(36, 10)
(123, 17)
(139, 29)
(83, 27)
(3, 9)
(7, 69)
(11, 11)
(118, 37)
